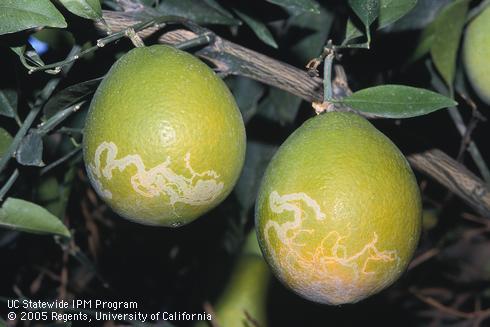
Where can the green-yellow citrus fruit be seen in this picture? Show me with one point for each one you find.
(243, 302)
(338, 214)
(164, 140)
(476, 54)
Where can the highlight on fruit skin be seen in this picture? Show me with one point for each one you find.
(164, 140)
(338, 214)
(244, 299)
(476, 53)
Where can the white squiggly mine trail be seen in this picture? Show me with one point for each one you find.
(198, 189)
(327, 273)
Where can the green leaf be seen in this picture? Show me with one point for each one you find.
(258, 28)
(8, 103)
(53, 195)
(366, 10)
(48, 194)
(48, 189)
(318, 26)
(351, 31)
(84, 8)
(70, 96)
(215, 5)
(28, 56)
(397, 101)
(449, 28)
(298, 5)
(18, 15)
(419, 17)
(425, 42)
(436, 80)
(198, 11)
(392, 10)
(389, 12)
(26, 216)
(66, 187)
(5, 140)
(279, 106)
(30, 151)
(257, 158)
(247, 93)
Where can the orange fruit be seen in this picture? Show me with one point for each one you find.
(164, 141)
(338, 214)
(244, 299)
(476, 53)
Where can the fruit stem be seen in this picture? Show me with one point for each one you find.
(328, 55)
(134, 37)
(327, 77)
(203, 39)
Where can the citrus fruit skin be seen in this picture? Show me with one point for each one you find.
(476, 53)
(164, 141)
(245, 294)
(243, 302)
(338, 214)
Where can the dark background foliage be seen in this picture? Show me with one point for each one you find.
(179, 269)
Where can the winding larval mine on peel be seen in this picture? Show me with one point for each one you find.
(338, 214)
(164, 140)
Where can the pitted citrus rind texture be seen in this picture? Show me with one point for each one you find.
(339, 211)
(164, 140)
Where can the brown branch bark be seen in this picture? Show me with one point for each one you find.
(235, 59)
(479, 314)
(455, 177)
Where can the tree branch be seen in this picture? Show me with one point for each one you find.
(455, 177)
(234, 59)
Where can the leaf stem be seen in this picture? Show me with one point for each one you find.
(56, 163)
(29, 120)
(364, 45)
(368, 35)
(472, 148)
(461, 127)
(70, 130)
(200, 40)
(327, 77)
(17, 119)
(134, 37)
(19, 136)
(51, 123)
(127, 32)
(5, 188)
